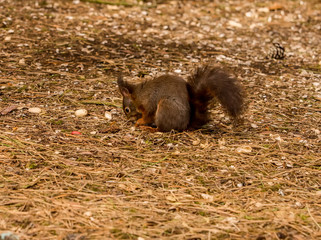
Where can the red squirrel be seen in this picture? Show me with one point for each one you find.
(171, 103)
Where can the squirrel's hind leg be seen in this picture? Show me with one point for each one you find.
(172, 114)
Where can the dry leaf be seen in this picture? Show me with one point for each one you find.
(171, 198)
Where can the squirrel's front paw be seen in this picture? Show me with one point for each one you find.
(140, 122)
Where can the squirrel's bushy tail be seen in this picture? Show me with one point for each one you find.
(213, 82)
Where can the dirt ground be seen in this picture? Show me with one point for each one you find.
(97, 177)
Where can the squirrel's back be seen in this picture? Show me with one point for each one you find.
(165, 86)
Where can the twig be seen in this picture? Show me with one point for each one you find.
(316, 223)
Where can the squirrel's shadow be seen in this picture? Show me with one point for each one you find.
(220, 130)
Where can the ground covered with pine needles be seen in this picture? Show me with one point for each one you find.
(98, 177)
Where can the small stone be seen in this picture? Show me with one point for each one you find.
(249, 14)
(22, 61)
(81, 112)
(170, 145)
(244, 149)
(258, 205)
(88, 214)
(264, 10)
(281, 192)
(151, 170)
(108, 115)
(196, 142)
(253, 125)
(298, 204)
(207, 197)
(34, 110)
(276, 137)
(234, 24)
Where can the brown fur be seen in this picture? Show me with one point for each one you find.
(169, 102)
(208, 83)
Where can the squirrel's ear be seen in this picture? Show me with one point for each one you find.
(122, 86)
(124, 91)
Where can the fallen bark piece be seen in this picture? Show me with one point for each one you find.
(8, 109)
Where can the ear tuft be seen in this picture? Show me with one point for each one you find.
(120, 81)
(122, 85)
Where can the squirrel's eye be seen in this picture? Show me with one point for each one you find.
(127, 110)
